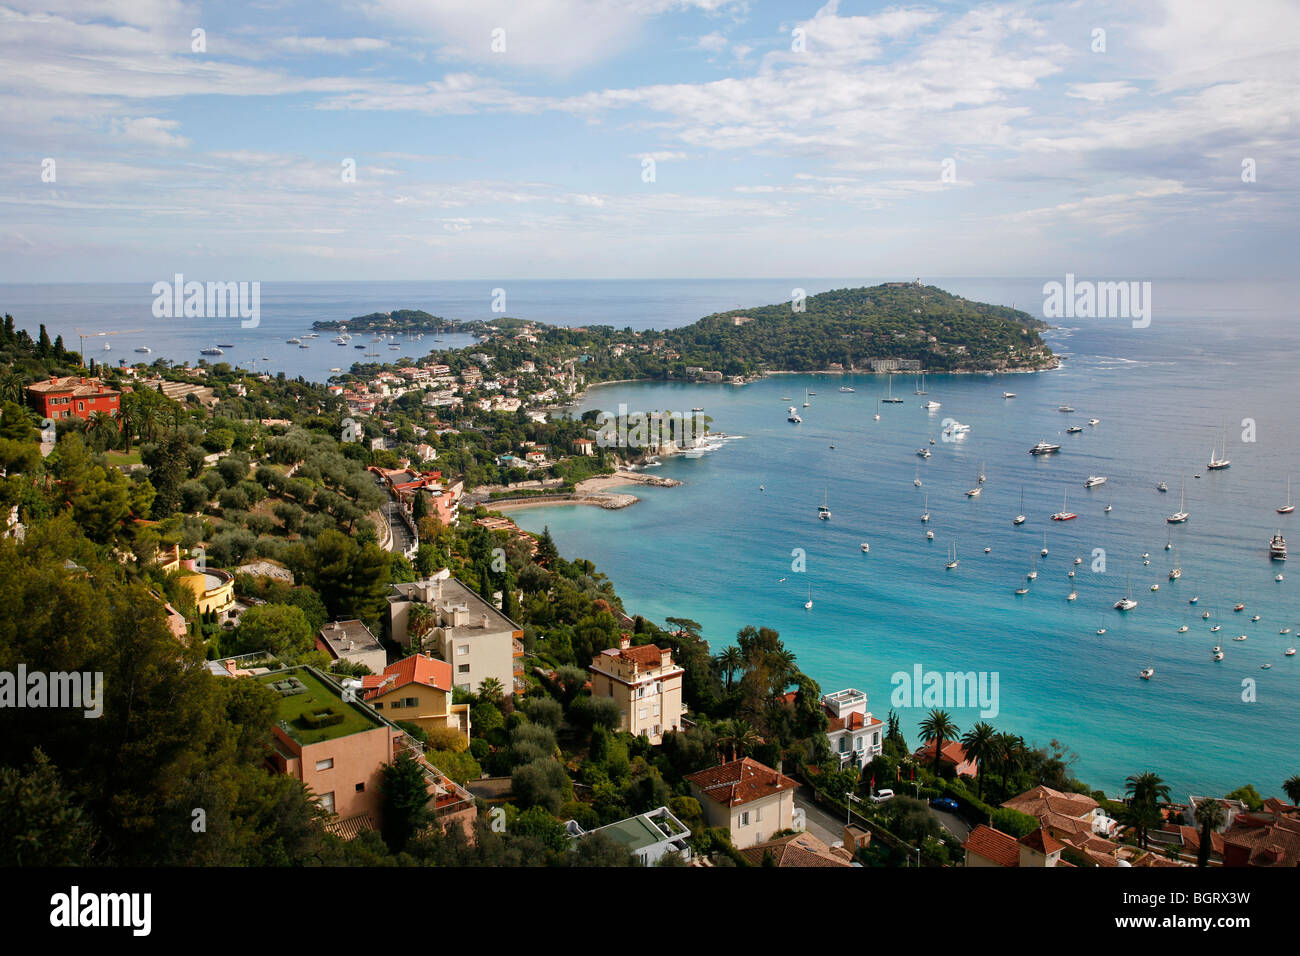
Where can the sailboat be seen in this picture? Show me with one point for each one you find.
(806, 403)
(917, 480)
(877, 409)
(1181, 515)
(808, 605)
(1216, 462)
(920, 388)
(823, 510)
(1176, 571)
(1020, 518)
(1044, 551)
(952, 557)
(1033, 574)
(974, 492)
(1126, 603)
(925, 515)
(1064, 514)
(981, 474)
(890, 400)
(1289, 507)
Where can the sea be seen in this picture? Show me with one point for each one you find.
(739, 541)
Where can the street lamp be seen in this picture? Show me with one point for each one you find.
(848, 807)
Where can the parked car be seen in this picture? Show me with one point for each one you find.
(882, 795)
(944, 803)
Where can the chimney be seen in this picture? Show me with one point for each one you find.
(624, 642)
(483, 620)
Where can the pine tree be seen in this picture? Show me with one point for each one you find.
(43, 343)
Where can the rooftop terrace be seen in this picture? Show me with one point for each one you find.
(312, 710)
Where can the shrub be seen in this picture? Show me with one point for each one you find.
(541, 783)
(446, 738)
(544, 711)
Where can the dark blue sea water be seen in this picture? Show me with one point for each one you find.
(716, 548)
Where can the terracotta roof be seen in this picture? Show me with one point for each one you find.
(1277, 844)
(75, 384)
(798, 850)
(1044, 802)
(953, 752)
(740, 781)
(647, 655)
(1042, 841)
(993, 845)
(855, 721)
(416, 669)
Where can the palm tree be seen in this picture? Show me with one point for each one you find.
(978, 742)
(1292, 789)
(1009, 751)
(730, 661)
(725, 737)
(1145, 791)
(489, 690)
(938, 726)
(100, 425)
(1210, 815)
(419, 620)
(744, 738)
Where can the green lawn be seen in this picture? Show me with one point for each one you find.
(318, 696)
(119, 458)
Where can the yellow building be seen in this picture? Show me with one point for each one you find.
(213, 590)
(646, 685)
(751, 800)
(417, 690)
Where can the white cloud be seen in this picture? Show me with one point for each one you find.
(334, 45)
(150, 130)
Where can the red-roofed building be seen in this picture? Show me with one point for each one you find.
(856, 737)
(989, 847)
(74, 395)
(954, 755)
(418, 690)
(1256, 840)
(751, 800)
(646, 685)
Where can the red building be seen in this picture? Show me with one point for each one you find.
(74, 395)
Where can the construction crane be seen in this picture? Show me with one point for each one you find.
(91, 335)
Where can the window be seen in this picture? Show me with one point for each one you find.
(844, 744)
(857, 743)
(641, 713)
(379, 706)
(361, 787)
(326, 764)
(462, 650)
(81, 406)
(875, 739)
(462, 668)
(758, 815)
(744, 817)
(411, 702)
(327, 801)
(396, 704)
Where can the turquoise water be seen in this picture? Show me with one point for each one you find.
(716, 548)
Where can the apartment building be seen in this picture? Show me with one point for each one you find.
(442, 617)
(646, 685)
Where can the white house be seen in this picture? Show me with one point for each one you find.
(856, 737)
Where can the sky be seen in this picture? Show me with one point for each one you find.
(429, 139)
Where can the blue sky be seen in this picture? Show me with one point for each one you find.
(528, 162)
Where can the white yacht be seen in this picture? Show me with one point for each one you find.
(1147, 673)
(1044, 448)
(1216, 463)
(1094, 480)
(1008, 394)
(956, 428)
(823, 511)
(1126, 603)
(1181, 515)
(932, 405)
